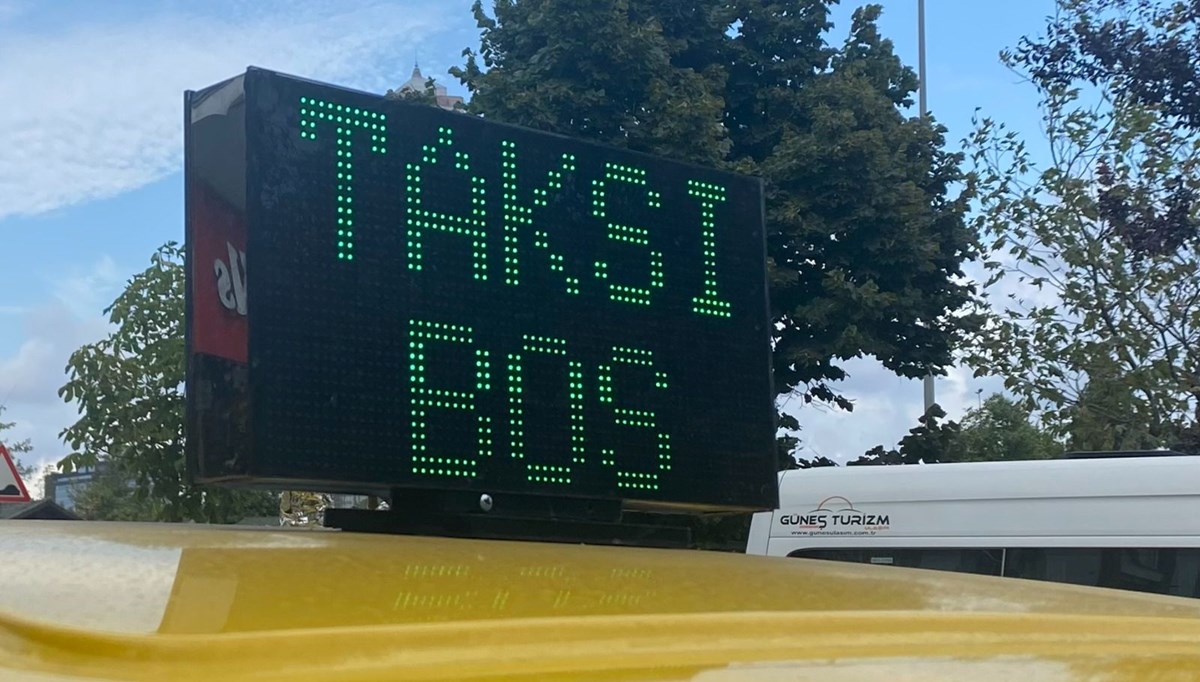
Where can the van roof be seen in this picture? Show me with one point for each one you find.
(997, 480)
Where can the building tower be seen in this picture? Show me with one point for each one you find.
(418, 83)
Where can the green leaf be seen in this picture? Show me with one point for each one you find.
(127, 387)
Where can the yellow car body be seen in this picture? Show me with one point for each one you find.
(105, 601)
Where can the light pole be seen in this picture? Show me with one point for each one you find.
(921, 53)
(929, 385)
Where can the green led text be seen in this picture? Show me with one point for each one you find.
(427, 459)
(343, 121)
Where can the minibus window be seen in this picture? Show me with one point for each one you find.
(1162, 571)
(1077, 566)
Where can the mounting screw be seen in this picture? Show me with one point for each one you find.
(485, 502)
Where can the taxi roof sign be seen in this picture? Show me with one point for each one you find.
(12, 488)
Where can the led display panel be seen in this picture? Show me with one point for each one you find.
(386, 295)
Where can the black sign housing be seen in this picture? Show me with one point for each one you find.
(432, 300)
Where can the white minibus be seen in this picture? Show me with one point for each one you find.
(1122, 522)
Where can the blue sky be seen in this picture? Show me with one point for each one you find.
(91, 143)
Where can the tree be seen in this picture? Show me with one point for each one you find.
(602, 70)
(110, 496)
(865, 242)
(1000, 430)
(1095, 252)
(1106, 416)
(1147, 51)
(129, 389)
(787, 442)
(929, 442)
(819, 461)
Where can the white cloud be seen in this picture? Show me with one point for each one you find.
(885, 408)
(20, 373)
(31, 376)
(88, 292)
(49, 333)
(95, 110)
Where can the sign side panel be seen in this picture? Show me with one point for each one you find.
(218, 444)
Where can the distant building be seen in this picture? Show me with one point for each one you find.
(417, 84)
(63, 489)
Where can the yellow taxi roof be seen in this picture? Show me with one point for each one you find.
(100, 601)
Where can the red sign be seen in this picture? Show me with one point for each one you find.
(218, 276)
(12, 488)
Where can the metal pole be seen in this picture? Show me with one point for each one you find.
(921, 53)
(929, 383)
